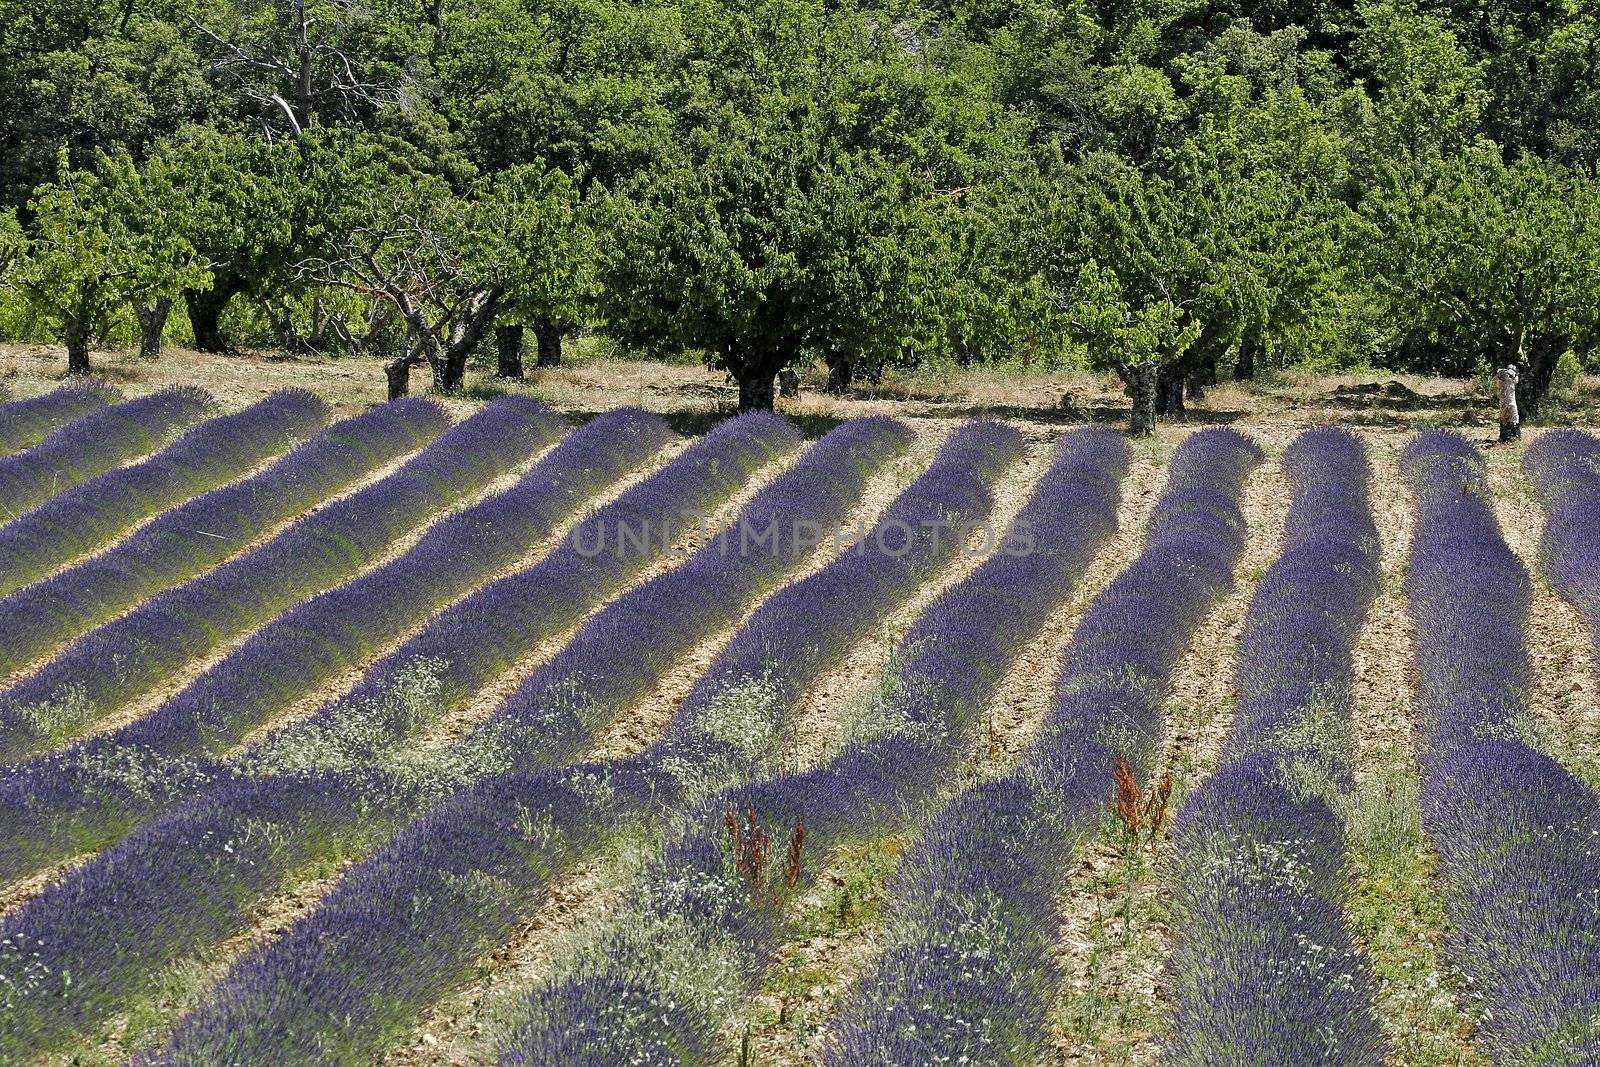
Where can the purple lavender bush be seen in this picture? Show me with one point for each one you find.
(93, 512)
(183, 881)
(95, 443)
(968, 972)
(82, 797)
(1513, 828)
(620, 655)
(691, 904)
(1264, 969)
(24, 422)
(186, 540)
(405, 926)
(127, 657)
(1564, 466)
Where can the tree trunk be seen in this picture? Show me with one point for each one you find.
(77, 338)
(1169, 391)
(1536, 370)
(508, 351)
(548, 335)
(1505, 380)
(205, 313)
(1198, 373)
(152, 324)
(450, 370)
(1142, 380)
(1245, 369)
(398, 371)
(841, 371)
(755, 389)
(966, 353)
(449, 359)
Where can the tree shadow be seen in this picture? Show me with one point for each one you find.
(1394, 396)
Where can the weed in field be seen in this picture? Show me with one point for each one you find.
(61, 716)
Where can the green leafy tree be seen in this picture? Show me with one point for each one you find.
(92, 249)
(1498, 263)
(765, 251)
(298, 64)
(803, 218)
(1427, 94)
(451, 264)
(254, 209)
(92, 75)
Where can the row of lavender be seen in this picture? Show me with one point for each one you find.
(127, 657)
(196, 875)
(187, 540)
(485, 635)
(406, 926)
(1264, 969)
(87, 796)
(1514, 830)
(1564, 466)
(95, 443)
(23, 423)
(969, 974)
(660, 977)
(96, 511)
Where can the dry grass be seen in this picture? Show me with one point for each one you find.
(595, 380)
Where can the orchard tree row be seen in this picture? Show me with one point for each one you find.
(1170, 191)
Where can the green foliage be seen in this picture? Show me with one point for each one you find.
(1565, 375)
(100, 240)
(1491, 263)
(881, 181)
(253, 208)
(797, 223)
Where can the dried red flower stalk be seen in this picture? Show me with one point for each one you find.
(1128, 798)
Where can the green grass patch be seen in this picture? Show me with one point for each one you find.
(1397, 912)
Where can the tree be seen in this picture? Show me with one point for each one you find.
(452, 264)
(96, 244)
(800, 218)
(766, 250)
(1499, 262)
(1428, 95)
(253, 209)
(298, 64)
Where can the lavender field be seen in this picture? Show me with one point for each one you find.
(464, 734)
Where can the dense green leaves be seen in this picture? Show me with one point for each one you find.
(1490, 264)
(1154, 187)
(101, 239)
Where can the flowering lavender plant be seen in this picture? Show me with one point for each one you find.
(967, 974)
(1264, 969)
(95, 443)
(186, 540)
(1515, 831)
(93, 512)
(697, 931)
(82, 796)
(24, 422)
(167, 890)
(126, 657)
(407, 924)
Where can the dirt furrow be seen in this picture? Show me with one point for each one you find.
(1394, 907)
(1115, 941)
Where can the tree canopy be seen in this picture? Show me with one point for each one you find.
(1167, 191)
